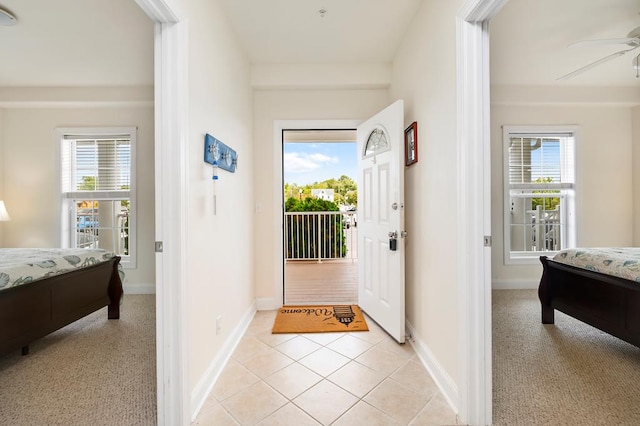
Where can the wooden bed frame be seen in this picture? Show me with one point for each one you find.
(33, 310)
(609, 303)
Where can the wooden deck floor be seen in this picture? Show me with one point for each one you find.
(329, 282)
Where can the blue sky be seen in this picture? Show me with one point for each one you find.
(306, 163)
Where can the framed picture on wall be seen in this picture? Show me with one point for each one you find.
(411, 144)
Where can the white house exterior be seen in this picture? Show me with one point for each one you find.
(323, 194)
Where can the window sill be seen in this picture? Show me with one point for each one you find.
(532, 258)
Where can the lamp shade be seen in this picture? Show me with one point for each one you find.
(4, 215)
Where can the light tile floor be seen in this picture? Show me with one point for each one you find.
(358, 378)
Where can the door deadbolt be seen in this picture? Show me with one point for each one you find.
(393, 240)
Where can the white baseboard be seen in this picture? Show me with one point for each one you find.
(514, 285)
(139, 288)
(210, 377)
(444, 382)
(267, 304)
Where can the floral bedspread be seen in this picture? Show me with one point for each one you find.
(19, 266)
(623, 262)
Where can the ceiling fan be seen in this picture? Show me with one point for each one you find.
(632, 42)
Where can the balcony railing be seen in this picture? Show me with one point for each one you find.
(115, 238)
(545, 229)
(320, 235)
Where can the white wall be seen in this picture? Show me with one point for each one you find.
(219, 248)
(635, 114)
(271, 105)
(604, 190)
(30, 174)
(424, 75)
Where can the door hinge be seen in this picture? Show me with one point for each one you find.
(158, 246)
(487, 240)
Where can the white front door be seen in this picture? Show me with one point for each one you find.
(381, 219)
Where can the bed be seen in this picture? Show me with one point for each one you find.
(43, 290)
(599, 286)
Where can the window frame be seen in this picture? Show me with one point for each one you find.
(67, 198)
(568, 192)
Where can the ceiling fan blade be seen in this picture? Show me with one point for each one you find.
(633, 41)
(596, 63)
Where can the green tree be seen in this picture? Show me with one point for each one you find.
(547, 203)
(345, 190)
(310, 204)
(88, 183)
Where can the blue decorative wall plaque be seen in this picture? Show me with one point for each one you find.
(215, 151)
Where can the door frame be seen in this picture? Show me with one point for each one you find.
(474, 189)
(278, 213)
(170, 148)
(284, 199)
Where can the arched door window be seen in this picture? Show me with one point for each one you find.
(377, 142)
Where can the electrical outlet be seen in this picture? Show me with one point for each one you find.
(218, 324)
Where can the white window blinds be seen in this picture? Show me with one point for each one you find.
(547, 161)
(96, 164)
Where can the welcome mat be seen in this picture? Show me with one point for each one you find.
(319, 319)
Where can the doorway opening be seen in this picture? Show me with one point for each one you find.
(320, 196)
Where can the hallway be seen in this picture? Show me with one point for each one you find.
(359, 378)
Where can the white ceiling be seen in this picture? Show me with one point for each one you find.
(76, 43)
(110, 42)
(293, 31)
(530, 39)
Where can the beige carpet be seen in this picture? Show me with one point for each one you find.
(563, 374)
(93, 372)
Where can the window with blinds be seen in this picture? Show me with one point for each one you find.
(539, 191)
(97, 189)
